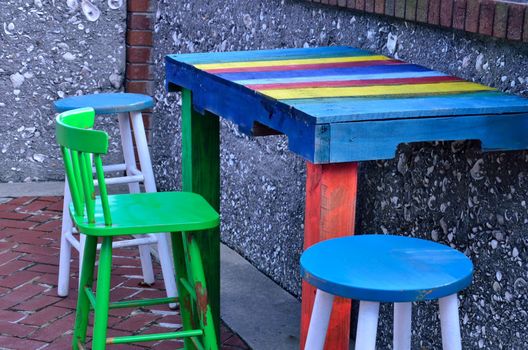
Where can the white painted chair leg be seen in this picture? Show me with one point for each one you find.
(128, 149)
(450, 323)
(402, 326)
(367, 325)
(130, 161)
(321, 312)
(63, 283)
(164, 250)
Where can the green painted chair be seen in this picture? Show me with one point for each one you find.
(105, 216)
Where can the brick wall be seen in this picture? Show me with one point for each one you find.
(501, 19)
(139, 68)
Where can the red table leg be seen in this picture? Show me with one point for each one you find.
(330, 212)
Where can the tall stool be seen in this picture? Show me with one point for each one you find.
(104, 217)
(128, 108)
(385, 268)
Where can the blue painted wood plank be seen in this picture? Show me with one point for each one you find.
(370, 140)
(386, 268)
(324, 72)
(352, 109)
(275, 54)
(106, 103)
(341, 77)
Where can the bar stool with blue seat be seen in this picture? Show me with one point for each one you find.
(385, 268)
(128, 107)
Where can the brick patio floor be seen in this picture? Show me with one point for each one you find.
(31, 314)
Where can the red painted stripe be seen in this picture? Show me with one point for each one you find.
(352, 83)
(304, 66)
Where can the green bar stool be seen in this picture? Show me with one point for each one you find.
(104, 216)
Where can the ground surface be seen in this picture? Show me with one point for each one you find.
(31, 314)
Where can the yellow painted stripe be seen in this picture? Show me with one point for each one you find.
(207, 66)
(379, 90)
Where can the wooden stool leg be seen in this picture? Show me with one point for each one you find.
(451, 339)
(102, 293)
(184, 297)
(83, 304)
(402, 326)
(63, 284)
(367, 325)
(322, 309)
(133, 187)
(205, 316)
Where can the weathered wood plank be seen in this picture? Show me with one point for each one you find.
(331, 191)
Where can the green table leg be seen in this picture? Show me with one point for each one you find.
(201, 174)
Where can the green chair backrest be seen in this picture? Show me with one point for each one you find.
(79, 144)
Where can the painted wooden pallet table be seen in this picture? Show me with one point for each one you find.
(337, 106)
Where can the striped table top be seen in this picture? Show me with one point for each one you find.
(318, 96)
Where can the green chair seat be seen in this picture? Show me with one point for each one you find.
(144, 213)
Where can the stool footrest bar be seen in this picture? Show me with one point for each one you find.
(145, 302)
(153, 337)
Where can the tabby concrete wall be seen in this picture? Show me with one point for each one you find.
(48, 50)
(448, 192)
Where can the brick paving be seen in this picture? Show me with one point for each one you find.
(31, 314)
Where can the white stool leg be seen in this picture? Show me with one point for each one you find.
(367, 325)
(321, 311)
(402, 326)
(130, 161)
(63, 284)
(165, 255)
(451, 339)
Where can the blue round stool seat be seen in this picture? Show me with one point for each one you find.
(107, 103)
(386, 268)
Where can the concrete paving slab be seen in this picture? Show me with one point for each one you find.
(260, 311)
(31, 189)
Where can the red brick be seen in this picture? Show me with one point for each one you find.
(472, 15)
(19, 344)
(21, 200)
(487, 11)
(140, 5)
(18, 279)
(515, 21)
(15, 329)
(13, 215)
(33, 249)
(56, 329)
(389, 7)
(53, 199)
(379, 6)
(433, 15)
(19, 295)
(50, 226)
(369, 6)
(399, 8)
(136, 322)
(139, 54)
(61, 343)
(37, 303)
(525, 30)
(10, 316)
(139, 37)
(332, 2)
(45, 316)
(169, 345)
(39, 218)
(342, 3)
(351, 4)
(360, 5)
(136, 71)
(34, 206)
(410, 10)
(41, 259)
(139, 21)
(459, 14)
(15, 223)
(140, 87)
(7, 207)
(12, 267)
(446, 13)
(422, 6)
(500, 20)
